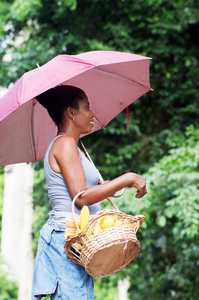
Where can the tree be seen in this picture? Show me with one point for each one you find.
(16, 237)
(167, 265)
(167, 31)
(8, 288)
(51, 27)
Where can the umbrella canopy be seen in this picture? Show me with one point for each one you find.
(111, 80)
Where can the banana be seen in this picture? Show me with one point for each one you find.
(69, 222)
(69, 233)
(96, 228)
(107, 222)
(118, 223)
(70, 227)
(84, 217)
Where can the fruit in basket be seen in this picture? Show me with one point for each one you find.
(84, 217)
(69, 222)
(96, 228)
(107, 221)
(118, 223)
(70, 227)
(78, 231)
(69, 232)
(76, 246)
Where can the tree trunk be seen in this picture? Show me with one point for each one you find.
(16, 243)
(123, 288)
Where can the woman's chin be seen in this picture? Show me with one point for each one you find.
(87, 131)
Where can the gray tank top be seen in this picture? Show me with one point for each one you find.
(58, 192)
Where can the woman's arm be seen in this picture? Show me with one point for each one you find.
(66, 155)
(99, 192)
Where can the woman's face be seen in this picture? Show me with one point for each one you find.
(83, 117)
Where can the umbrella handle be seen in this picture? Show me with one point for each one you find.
(119, 193)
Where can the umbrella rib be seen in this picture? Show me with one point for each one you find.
(32, 128)
(124, 77)
(99, 122)
(121, 76)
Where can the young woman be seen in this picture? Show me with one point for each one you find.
(68, 172)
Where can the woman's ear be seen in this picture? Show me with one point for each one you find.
(69, 112)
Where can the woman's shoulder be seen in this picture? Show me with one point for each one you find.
(65, 140)
(64, 143)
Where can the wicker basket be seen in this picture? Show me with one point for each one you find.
(103, 252)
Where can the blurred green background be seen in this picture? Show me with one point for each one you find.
(162, 143)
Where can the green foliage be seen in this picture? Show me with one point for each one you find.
(8, 288)
(20, 9)
(106, 289)
(103, 146)
(41, 203)
(35, 31)
(52, 27)
(167, 266)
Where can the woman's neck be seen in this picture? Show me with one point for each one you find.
(69, 132)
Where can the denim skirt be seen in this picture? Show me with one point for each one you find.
(54, 270)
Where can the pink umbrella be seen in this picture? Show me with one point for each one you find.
(112, 80)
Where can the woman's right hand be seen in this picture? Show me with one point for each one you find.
(139, 183)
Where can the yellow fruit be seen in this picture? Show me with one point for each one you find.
(78, 231)
(84, 217)
(119, 223)
(134, 224)
(76, 246)
(96, 228)
(69, 222)
(107, 221)
(69, 234)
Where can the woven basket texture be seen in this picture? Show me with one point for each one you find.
(103, 252)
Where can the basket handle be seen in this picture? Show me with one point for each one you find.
(73, 206)
(140, 221)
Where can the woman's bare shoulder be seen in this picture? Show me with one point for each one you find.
(65, 140)
(63, 152)
(64, 144)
